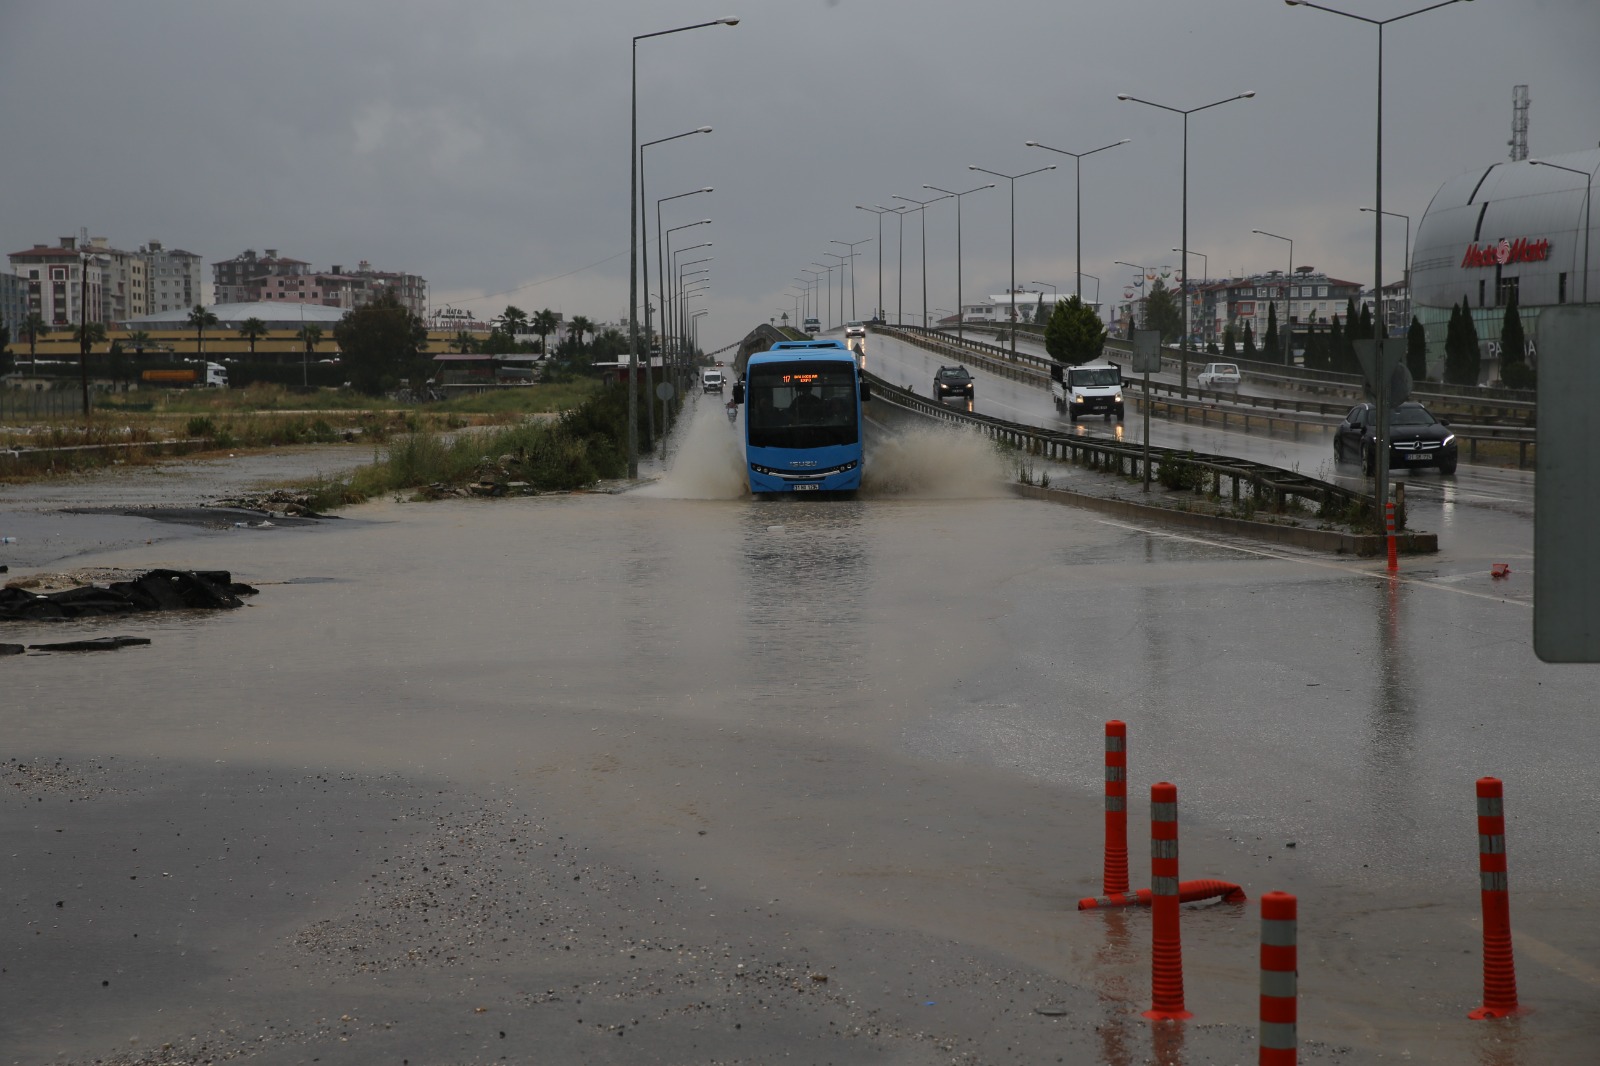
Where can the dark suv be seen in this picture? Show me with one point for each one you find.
(1416, 438)
(953, 383)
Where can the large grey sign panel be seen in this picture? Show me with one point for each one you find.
(1566, 547)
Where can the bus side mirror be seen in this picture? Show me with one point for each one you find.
(866, 391)
(738, 392)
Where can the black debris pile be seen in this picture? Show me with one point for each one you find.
(156, 590)
(279, 501)
(92, 644)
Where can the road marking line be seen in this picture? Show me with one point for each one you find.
(1342, 567)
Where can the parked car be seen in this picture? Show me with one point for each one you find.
(953, 383)
(1416, 438)
(1220, 376)
(711, 380)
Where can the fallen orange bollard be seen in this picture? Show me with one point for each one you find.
(1188, 892)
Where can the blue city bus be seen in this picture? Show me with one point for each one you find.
(802, 417)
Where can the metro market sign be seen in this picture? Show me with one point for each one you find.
(1521, 250)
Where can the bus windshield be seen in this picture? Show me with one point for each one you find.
(809, 404)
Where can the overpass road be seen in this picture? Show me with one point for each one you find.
(1483, 514)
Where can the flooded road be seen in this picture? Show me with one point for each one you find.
(675, 775)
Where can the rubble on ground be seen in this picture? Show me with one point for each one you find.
(155, 590)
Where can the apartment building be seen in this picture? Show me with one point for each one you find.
(272, 278)
(173, 279)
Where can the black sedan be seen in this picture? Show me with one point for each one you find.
(1416, 438)
(953, 383)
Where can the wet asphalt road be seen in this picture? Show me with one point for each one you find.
(677, 776)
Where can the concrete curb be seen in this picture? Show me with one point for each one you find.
(1327, 540)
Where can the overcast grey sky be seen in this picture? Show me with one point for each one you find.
(484, 143)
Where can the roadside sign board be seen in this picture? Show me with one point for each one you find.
(1400, 381)
(1147, 351)
(1566, 567)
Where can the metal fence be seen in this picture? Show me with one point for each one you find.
(33, 405)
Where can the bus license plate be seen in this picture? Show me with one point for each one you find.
(806, 488)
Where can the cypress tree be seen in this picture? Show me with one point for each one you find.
(1249, 342)
(1272, 350)
(1469, 344)
(1335, 346)
(1417, 350)
(1514, 369)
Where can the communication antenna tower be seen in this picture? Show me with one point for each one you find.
(1519, 123)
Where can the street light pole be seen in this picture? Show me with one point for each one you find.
(827, 322)
(1012, 295)
(1588, 196)
(852, 246)
(1144, 273)
(880, 212)
(1096, 281)
(1183, 375)
(922, 206)
(841, 258)
(1053, 295)
(634, 223)
(1205, 264)
(1288, 349)
(1406, 273)
(1380, 463)
(1077, 225)
(961, 311)
(649, 335)
(661, 270)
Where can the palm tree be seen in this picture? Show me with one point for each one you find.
(33, 325)
(252, 329)
(200, 318)
(463, 342)
(514, 320)
(544, 324)
(139, 340)
(310, 336)
(582, 325)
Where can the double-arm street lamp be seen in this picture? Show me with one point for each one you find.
(852, 246)
(840, 264)
(1588, 195)
(1183, 374)
(672, 264)
(684, 272)
(922, 206)
(635, 209)
(961, 310)
(1096, 301)
(815, 278)
(1288, 349)
(1077, 225)
(1380, 386)
(1144, 273)
(1012, 295)
(1205, 264)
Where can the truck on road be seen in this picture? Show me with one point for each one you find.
(199, 376)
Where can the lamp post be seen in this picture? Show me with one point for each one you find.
(1183, 373)
(827, 322)
(961, 311)
(880, 212)
(1406, 273)
(1077, 225)
(1144, 271)
(634, 210)
(684, 272)
(694, 321)
(1012, 295)
(852, 246)
(1380, 387)
(1096, 281)
(816, 308)
(1288, 349)
(672, 264)
(667, 243)
(661, 270)
(922, 206)
(1053, 294)
(834, 255)
(810, 296)
(1588, 196)
(649, 336)
(1205, 264)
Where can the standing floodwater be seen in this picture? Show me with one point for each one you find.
(740, 777)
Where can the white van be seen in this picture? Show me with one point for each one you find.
(1088, 388)
(813, 325)
(711, 380)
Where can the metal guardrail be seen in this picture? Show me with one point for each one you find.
(1225, 409)
(1199, 471)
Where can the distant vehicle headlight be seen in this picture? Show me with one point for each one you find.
(1118, 397)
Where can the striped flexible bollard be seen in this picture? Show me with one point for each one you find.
(1166, 950)
(1280, 981)
(1388, 521)
(1499, 968)
(1116, 864)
